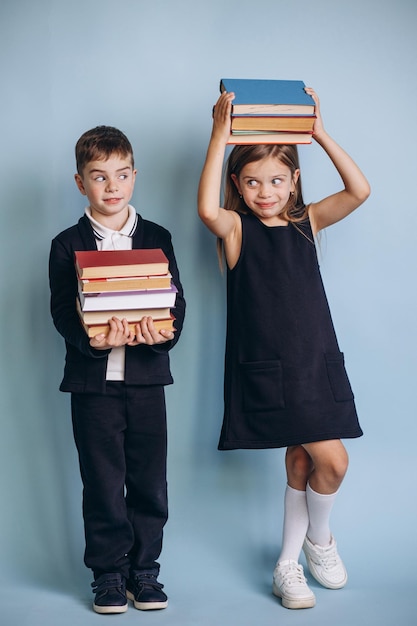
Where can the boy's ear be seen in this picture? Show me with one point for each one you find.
(80, 184)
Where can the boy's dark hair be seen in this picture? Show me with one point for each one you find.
(99, 143)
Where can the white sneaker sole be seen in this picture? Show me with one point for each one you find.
(107, 610)
(294, 603)
(146, 606)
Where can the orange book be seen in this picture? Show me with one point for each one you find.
(273, 123)
(97, 329)
(129, 283)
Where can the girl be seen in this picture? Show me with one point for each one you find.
(285, 380)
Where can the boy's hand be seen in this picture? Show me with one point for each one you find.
(147, 334)
(118, 335)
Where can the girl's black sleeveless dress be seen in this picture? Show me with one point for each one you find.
(285, 378)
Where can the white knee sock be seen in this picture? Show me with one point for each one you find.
(295, 524)
(319, 508)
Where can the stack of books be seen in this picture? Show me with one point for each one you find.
(127, 284)
(269, 111)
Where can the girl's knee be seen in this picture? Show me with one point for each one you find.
(331, 463)
(335, 470)
(339, 462)
(299, 466)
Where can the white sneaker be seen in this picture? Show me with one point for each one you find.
(290, 584)
(325, 564)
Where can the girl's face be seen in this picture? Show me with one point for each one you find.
(266, 186)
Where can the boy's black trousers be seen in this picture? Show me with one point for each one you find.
(121, 438)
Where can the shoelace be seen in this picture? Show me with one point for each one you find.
(328, 560)
(293, 575)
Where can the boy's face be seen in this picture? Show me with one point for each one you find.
(108, 186)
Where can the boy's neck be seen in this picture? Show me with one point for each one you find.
(113, 222)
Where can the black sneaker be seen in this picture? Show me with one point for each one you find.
(145, 591)
(110, 590)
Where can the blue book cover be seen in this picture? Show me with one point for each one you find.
(285, 96)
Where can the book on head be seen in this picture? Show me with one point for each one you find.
(266, 96)
(273, 123)
(252, 138)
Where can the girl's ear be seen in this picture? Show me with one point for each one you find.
(80, 184)
(295, 178)
(236, 182)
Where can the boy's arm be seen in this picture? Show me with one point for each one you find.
(63, 286)
(356, 188)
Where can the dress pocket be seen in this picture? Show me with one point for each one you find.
(262, 386)
(338, 378)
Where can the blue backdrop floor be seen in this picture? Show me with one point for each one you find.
(219, 553)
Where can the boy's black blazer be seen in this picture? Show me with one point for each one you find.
(85, 367)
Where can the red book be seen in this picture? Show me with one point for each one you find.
(120, 263)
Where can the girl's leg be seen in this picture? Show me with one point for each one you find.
(298, 466)
(319, 508)
(330, 462)
(289, 582)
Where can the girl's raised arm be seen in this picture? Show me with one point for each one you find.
(221, 222)
(356, 188)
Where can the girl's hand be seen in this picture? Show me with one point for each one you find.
(118, 335)
(318, 122)
(222, 116)
(147, 334)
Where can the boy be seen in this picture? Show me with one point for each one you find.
(116, 383)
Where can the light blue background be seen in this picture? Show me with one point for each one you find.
(152, 68)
